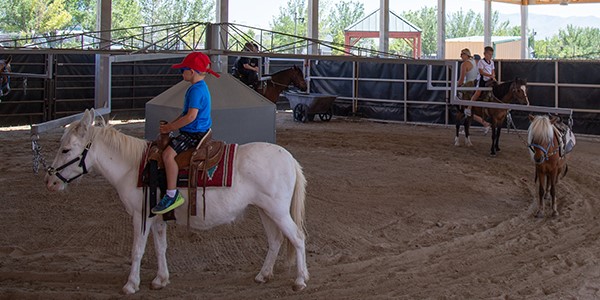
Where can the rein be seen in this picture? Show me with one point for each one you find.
(279, 84)
(81, 158)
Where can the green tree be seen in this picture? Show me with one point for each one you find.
(461, 24)
(33, 16)
(292, 21)
(426, 19)
(176, 11)
(571, 42)
(84, 14)
(458, 24)
(342, 15)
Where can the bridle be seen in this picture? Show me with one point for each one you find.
(275, 83)
(515, 89)
(81, 158)
(4, 79)
(545, 150)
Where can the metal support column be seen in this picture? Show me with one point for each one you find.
(487, 23)
(441, 29)
(384, 26)
(524, 29)
(313, 25)
(102, 95)
(220, 61)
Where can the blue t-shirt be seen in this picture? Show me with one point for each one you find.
(198, 96)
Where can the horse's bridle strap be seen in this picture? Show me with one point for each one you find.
(547, 155)
(279, 84)
(81, 158)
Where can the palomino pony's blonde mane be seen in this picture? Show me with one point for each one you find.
(540, 131)
(131, 148)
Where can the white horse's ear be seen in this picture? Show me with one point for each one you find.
(88, 118)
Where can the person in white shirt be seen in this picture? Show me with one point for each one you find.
(468, 70)
(487, 72)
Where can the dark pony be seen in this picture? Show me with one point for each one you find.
(280, 81)
(4, 77)
(505, 92)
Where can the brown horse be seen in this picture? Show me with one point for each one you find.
(505, 92)
(4, 77)
(549, 164)
(280, 81)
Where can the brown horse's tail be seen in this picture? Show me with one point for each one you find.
(566, 170)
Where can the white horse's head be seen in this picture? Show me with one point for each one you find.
(70, 161)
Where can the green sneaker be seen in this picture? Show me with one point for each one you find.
(168, 204)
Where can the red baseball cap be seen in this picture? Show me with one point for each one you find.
(197, 61)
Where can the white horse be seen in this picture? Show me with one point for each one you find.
(265, 175)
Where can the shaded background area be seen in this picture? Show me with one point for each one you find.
(387, 91)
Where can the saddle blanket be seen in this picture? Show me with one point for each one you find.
(220, 175)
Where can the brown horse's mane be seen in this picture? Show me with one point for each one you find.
(502, 89)
(281, 71)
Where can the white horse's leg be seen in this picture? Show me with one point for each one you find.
(456, 141)
(137, 251)
(296, 238)
(274, 237)
(468, 141)
(159, 233)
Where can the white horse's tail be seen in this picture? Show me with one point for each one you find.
(297, 208)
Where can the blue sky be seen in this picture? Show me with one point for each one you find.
(260, 13)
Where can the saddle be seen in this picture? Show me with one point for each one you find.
(564, 135)
(196, 160)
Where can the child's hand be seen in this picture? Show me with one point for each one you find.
(165, 128)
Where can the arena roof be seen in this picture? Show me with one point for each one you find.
(539, 2)
(371, 23)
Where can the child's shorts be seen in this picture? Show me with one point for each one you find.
(186, 140)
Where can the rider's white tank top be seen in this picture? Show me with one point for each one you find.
(473, 73)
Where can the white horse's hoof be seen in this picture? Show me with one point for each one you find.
(159, 283)
(456, 142)
(468, 142)
(298, 287)
(260, 278)
(130, 289)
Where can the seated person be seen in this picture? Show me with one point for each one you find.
(246, 68)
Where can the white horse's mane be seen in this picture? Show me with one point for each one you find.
(540, 131)
(131, 148)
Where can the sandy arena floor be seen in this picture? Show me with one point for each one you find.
(393, 211)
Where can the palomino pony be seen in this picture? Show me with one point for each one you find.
(505, 92)
(544, 146)
(4, 77)
(265, 176)
(280, 81)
